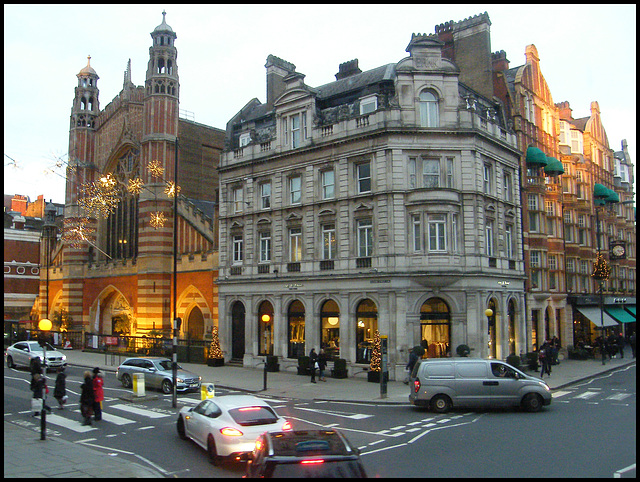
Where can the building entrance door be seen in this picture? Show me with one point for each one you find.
(237, 330)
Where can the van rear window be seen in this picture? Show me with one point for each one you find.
(472, 370)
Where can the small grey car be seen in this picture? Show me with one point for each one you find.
(157, 374)
(441, 384)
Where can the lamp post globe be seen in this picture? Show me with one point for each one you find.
(44, 325)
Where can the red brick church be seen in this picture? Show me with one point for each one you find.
(113, 264)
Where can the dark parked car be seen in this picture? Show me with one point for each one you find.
(305, 453)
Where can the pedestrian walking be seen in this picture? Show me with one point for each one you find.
(38, 387)
(612, 343)
(544, 353)
(36, 366)
(413, 358)
(86, 398)
(621, 345)
(98, 394)
(322, 365)
(60, 389)
(632, 342)
(313, 364)
(555, 344)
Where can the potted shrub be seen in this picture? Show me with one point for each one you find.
(513, 360)
(272, 363)
(215, 357)
(463, 350)
(339, 369)
(303, 365)
(532, 360)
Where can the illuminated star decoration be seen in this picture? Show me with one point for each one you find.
(156, 169)
(157, 220)
(75, 232)
(100, 197)
(171, 189)
(135, 186)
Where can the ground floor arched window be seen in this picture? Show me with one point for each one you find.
(296, 317)
(366, 326)
(435, 328)
(330, 329)
(512, 327)
(265, 328)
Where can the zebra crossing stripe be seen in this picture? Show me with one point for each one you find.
(139, 411)
(586, 395)
(618, 396)
(115, 419)
(74, 425)
(560, 393)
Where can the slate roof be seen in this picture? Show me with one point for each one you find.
(357, 81)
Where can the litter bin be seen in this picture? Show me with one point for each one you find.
(207, 390)
(138, 384)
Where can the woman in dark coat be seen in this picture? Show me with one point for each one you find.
(60, 390)
(86, 398)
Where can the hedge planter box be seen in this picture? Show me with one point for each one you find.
(373, 377)
(339, 369)
(215, 362)
(303, 365)
(272, 364)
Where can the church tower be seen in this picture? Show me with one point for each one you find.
(81, 169)
(159, 142)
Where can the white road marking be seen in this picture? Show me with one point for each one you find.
(618, 396)
(74, 425)
(353, 416)
(561, 393)
(139, 411)
(115, 419)
(586, 395)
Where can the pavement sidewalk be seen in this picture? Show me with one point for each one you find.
(25, 455)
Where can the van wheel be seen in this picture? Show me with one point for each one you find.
(532, 402)
(440, 404)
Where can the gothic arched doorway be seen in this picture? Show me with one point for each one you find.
(194, 328)
(237, 330)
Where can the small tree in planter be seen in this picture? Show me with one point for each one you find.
(375, 366)
(216, 358)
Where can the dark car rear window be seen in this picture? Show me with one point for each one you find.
(318, 468)
(256, 415)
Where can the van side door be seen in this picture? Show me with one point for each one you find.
(505, 384)
(472, 388)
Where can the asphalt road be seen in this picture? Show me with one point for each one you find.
(589, 430)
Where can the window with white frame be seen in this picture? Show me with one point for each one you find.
(295, 244)
(295, 189)
(431, 173)
(450, 173)
(534, 215)
(437, 232)
(454, 232)
(238, 249)
(488, 238)
(534, 259)
(328, 183)
(416, 232)
(328, 241)
(428, 109)
(571, 265)
(508, 187)
(365, 238)
(488, 188)
(584, 266)
(265, 195)
(363, 177)
(245, 139)
(238, 200)
(508, 241)
(294, 129)
(576, 142)
(265, 246)
(413, 183)
(368, 105)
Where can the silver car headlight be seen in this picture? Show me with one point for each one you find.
(180, 380)
(64, 358)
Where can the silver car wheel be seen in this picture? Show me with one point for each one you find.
(211, 450)
(167, 386)
(10, 363)
(126, 381)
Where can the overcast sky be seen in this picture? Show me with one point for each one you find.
(587, 53)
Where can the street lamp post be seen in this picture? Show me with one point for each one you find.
(176, 320)
(44, 325)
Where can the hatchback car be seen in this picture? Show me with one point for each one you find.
(158, 373)
(228, 426)
(24, 353)
(305, 454)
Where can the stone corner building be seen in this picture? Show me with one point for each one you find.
(120, 282)
(385, 200)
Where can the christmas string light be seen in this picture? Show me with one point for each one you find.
(155, 168)
(601, 269)
(157, 220)
(172, 189)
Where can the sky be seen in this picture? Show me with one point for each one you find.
(587, 53)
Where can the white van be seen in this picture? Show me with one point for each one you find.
(455, 382)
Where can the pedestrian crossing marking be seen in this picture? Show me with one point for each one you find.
(586, 395)
(560, 393)
(115, 419)
(139, 411)
(619, 396)
(74, 425)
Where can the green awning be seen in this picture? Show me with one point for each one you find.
(554, 167)
(618, 313)
(600, 191)
(631, 309)
(535, 157)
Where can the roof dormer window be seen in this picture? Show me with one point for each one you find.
(368, 105)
